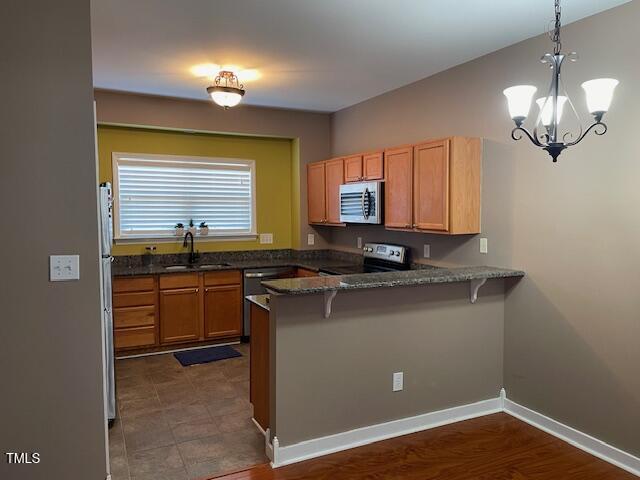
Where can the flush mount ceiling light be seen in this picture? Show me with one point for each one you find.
(227, 90)
(599, 93)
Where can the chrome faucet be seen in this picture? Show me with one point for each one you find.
(192, 255)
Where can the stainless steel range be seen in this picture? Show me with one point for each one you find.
(377, 257)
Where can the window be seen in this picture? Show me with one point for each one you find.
(152, 193)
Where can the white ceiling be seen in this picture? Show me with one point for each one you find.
(312, 54)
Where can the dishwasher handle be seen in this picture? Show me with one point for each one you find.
(265, 275)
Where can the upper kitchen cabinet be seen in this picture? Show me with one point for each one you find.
(369, 166)
(373, 166)
(398, 189)
(444, 190)
(316, 196)
(334, 178)
(323, 191)
(431, 186)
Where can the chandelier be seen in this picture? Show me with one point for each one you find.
(227, 91)
(599, 93)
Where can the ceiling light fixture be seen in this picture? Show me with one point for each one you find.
(227, 90)
(599, 93)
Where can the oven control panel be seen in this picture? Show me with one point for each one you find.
(384, 251)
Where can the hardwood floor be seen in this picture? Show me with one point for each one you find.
(495, 447)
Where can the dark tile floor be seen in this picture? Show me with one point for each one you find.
(179, 423)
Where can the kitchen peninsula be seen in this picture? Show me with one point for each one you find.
(420, 323)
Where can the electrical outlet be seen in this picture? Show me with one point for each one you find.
(398, 381)
(484, 247)
(427, 250)
(311, 239)
(64, 267)
(266, 238)
(359, 242)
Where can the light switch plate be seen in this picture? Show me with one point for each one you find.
(359, 243)
(266, 238)
(427, 250)
(311, 239)
(484, 247)
(64, 267)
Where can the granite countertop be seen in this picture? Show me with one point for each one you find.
(314, 264)
(261, 300)
(308, 285)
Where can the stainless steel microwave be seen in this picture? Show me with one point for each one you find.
(361, 202)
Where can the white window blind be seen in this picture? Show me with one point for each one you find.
(152, 193)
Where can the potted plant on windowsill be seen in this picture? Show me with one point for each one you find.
(192, 227)
(204, 228)
(179, 229)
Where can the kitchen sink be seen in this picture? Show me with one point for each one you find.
(210, 266)
(205, 266)
(175, 267)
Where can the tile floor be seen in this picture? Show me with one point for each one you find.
(179, 423)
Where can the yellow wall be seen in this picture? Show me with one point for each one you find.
(274, 171)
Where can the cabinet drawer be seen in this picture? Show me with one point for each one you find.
(178, 280)
(226, 277)
(134, 317)
(133, 284)
(134, 337)
(136, 299)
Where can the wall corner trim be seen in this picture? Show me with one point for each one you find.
(318, 447)
(574, 437)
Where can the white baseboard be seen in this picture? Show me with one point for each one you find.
(574, 437)
(318, 447)
(362, 436)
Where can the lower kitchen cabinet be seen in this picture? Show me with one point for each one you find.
(179, 315)
(135, 315)
(223, 311)
(259, 365)
(176, 308)
(303, 272)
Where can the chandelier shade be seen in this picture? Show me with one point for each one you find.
(519, 101)
(599, 93)
(546, 109)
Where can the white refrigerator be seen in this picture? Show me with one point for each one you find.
(106, 238)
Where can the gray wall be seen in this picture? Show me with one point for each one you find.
(312, 131)
(572, 326)
(335, 374)
(50, 338)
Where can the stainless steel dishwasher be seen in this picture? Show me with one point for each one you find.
(252, 286)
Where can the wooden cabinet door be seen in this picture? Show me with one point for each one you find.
(303, 272)
(223, 311)
(373, 166)
(179, 315)
(334, 177)
(316, 202)
(431, 186)
(353, 168)
(398, 189)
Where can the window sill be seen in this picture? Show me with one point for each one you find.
(237, 237)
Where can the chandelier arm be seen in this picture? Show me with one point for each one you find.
(594, 126)
(575, 114)
(515, 136)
